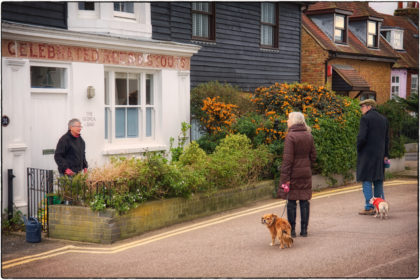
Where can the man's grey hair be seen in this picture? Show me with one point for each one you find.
(298, 118)
(72, 122)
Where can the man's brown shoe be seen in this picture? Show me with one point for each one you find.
(367, 212)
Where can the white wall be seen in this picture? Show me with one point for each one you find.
(15, 146)
(175, 104)
(104, 20)
(89, 111)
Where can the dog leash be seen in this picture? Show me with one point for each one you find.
(285, 206)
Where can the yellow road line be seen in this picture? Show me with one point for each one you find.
(225, 218)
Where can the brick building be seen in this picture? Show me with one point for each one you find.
(402, 34)
(342, 48)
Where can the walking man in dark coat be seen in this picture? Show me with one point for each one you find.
(372, 151)
(70, 152)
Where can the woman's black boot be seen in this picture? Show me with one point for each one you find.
(291, 215)
(304, 217)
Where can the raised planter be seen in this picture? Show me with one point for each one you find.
(82, 224)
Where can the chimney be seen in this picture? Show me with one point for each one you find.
(411, 11)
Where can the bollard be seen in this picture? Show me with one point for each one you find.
(33, 230)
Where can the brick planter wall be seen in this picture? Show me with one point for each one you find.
(82, 224)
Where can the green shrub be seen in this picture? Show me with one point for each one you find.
(14, 224)
(235, 162)
(248, 125)
(182, 140)
(336, 143)
(193, 155)
(226, 93)
(396, 114)
(195, 163)
(334, 121)
(209, 142)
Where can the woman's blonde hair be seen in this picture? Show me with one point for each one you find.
(298, 118)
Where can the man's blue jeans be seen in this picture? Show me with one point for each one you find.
(378, 191)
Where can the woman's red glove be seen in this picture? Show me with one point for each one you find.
(69, 172)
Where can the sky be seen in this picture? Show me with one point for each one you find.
(384, 7)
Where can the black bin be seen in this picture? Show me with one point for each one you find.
(33, 230)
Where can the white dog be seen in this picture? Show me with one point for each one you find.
(381, 207)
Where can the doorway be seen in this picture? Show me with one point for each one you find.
(48, 124)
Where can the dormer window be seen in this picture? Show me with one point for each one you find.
(372, 34)
(394, 37)
(340, 28)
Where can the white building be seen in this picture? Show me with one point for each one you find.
(131, 92)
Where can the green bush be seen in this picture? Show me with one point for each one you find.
(248, 125)
(14, 224)
(193, 155)
(336, 143)
(410, 120)
(125, 183)
(235, 162)
(182, 140)
(209, 142)
(396, 115)
(227, 94)
(334, 121)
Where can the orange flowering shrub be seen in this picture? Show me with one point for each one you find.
(281, 99)
(334, 121)
(218, 116)
(278, 100)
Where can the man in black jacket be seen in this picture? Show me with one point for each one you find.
(372, 151)
(70, 152)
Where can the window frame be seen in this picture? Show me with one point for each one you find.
(376, 35)
(395, 85)
(414, 90)
(67, 76)
(110, 119)
(122, 14)
(275, 27)
(368, 95)
(211, 22)
(401, 41)
(83, 2)
(390, 36)
(344, 29)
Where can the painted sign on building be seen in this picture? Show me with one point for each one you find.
(34, 50)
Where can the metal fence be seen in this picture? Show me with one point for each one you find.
(74, 191)
(196, 132)
(40, 185)
(410, 127)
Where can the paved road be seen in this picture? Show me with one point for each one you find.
(341, 243)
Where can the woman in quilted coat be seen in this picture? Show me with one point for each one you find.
(298, 157)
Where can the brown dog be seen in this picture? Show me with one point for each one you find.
(279, 228)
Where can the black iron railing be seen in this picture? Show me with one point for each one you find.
(40, 185)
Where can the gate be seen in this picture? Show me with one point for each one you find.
(40, 184)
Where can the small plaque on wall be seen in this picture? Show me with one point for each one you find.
(48, 152)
